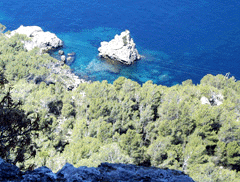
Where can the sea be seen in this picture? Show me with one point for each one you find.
(178, 39)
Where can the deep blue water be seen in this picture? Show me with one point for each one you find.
(180, 39)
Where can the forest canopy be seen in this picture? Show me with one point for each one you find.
(124, 122)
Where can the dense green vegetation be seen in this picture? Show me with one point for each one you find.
(166, 127)
(16, 128)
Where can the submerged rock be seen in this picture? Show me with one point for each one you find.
(46, 41)
(71, 54)
(104, 172)
(121, 48)
(97, 66)
(70, 58)
(60, 52)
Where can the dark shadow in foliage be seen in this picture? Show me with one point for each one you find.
(15, 129)
(61, 146)
(55, 107)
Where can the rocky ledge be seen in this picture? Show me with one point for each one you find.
(104, 172)
(122, 48)
(46, 41)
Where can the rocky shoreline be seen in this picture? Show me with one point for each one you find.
(65, 76)
(45, 41)
(122, 49)
(48, 42)
(59, 72)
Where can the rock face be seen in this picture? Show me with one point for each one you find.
(215, 100)
(204, 100)
(46, 41)
(9, 172)
(104, 172)
(121, 48)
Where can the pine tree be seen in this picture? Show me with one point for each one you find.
(15, 128)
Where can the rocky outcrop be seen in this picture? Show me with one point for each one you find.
(9, 172)
(104, 172)
(204, 100)
(63, 58)
(215, 100)
(46, 41)
(121, 48)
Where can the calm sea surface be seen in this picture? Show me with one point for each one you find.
(179, 39)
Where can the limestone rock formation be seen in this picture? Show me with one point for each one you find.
(46, 41)
(215, 100)
(121, 48)
(104, 172)
(204, 100)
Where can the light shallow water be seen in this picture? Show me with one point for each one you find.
(179, 39)
(89, 66)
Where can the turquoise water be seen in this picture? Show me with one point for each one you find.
(179, 39)
(89, 66)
